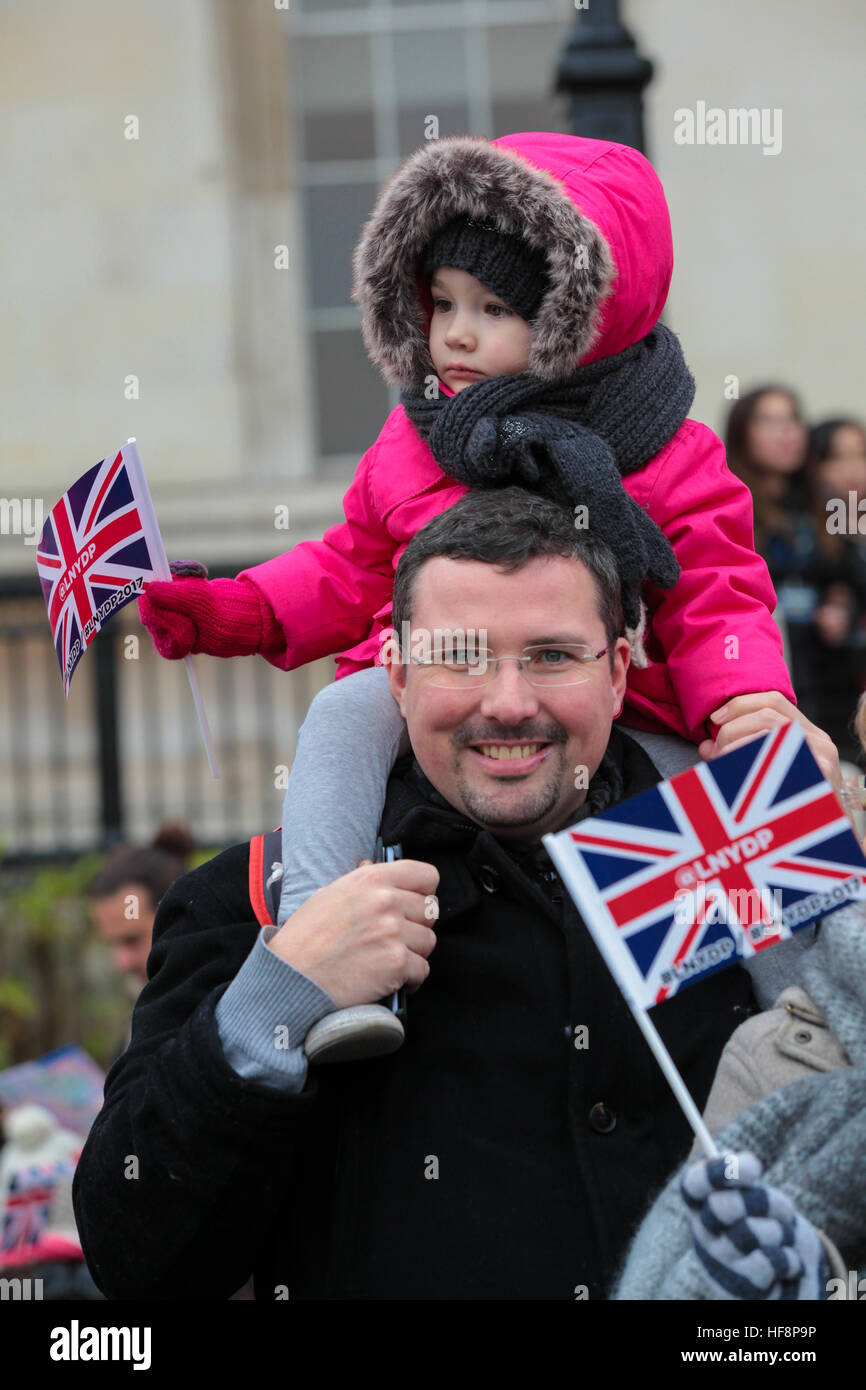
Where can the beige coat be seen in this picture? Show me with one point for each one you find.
(769, 1050)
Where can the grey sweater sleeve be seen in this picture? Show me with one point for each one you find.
(264, 1016)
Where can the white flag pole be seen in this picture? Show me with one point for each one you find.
(649, 1030)
(678, 1086)
(162, 570)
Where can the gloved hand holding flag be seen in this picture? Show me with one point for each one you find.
(750, 1239)
(99, 545)
(222, 617)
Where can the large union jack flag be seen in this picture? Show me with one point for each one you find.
(724, 860)
(94, 554)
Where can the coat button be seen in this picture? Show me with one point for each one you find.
(602, 1118)
(489, 878)
(802, 1035)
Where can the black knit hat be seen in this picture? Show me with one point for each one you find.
(506, 264)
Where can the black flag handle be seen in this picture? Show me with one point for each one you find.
(386, 854)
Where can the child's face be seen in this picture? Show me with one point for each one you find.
(473, 333)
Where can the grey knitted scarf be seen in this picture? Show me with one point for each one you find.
(573, 440)
(809, 1135)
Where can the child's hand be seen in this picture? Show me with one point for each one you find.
(223, 617)
(750, 1239)
(745, 716)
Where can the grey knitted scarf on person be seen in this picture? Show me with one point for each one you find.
(809, 1135)
(573, 440)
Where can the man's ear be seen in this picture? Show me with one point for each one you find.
(621, 660)
(396, 672)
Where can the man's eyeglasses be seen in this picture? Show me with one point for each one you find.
(568, 664)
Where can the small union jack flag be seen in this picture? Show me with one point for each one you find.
(29, 1204)
(96, 550)
(722, 861)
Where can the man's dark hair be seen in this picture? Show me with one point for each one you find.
(509, 527)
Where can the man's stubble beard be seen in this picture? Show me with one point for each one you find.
(487, 808)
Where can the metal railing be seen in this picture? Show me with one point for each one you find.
(125, 752)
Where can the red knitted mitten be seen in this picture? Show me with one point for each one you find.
(223, 617)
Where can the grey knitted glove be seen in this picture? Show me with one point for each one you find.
(569, 463)
(750, 1239)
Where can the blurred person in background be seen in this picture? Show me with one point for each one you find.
(766, 441)
(835, 479)
(124, 895)
(39, 1237)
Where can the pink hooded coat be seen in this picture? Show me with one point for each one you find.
(709, 638)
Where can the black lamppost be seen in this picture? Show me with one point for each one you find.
(604, 76)
(105, 685)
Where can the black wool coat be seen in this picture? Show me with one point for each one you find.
(507, 1151)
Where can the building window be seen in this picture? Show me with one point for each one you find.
(365, 77)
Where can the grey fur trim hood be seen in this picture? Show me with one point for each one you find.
(596, 208)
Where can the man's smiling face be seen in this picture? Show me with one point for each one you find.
(463, 739)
